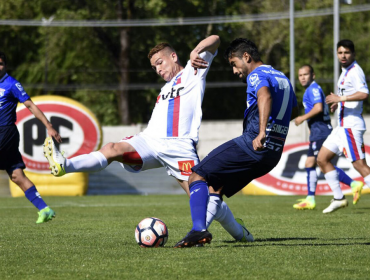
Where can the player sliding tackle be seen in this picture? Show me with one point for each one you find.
(172, 133)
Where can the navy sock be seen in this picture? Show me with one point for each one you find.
(343, 177)
(198, 204)
(33, 195)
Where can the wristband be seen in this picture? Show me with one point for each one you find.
(343, 98)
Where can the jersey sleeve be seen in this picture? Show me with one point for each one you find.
(207, 56)
(19, 92)
(359, 81)
(258, 80)
(314, 95)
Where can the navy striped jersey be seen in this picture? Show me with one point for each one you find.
(283, 101)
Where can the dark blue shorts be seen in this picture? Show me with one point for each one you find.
(10, 157)
(314, 148)
(230, 167)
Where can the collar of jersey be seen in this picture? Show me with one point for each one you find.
(176, 76)
(4, 77)
(349, 67)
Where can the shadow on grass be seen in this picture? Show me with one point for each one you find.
(268, 240)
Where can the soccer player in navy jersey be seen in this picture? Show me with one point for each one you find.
(318, 119)
(12, 92)
(271, 104)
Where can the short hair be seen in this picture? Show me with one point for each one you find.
(309, 67)
(159, 48)
(346, 44)
(3, 57)
(241, 45)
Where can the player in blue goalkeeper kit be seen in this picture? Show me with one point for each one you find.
(271, 104)
(12, 92)
(318, 119)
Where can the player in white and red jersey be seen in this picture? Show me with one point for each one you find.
(347, 137)
(172, 133)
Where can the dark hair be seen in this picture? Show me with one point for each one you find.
(240, 46)
(3, 57)
(309, 66)
(159, 47)
(346, 44)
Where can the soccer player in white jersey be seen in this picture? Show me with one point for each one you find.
(347, 137)
(172, 133)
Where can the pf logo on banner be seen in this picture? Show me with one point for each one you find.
(77, 125)
(185, 167)
(289, 177)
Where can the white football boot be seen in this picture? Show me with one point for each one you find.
(335, 205)
(55, 158)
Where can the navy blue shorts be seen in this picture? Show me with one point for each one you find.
(314, 148)
(230, 167)
(10, 157)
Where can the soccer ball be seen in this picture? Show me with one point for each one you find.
(151, 232)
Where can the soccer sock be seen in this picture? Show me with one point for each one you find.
(311, 181)
(213, 207)
(92, 162)
(198, 204)
(367, 180)
(333, 180)
(343, 177)
(33, 195)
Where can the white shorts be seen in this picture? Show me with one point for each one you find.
(348, 141)
(178, 156)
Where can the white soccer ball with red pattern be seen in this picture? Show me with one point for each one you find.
(151, 232)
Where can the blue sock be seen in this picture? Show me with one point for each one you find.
(33, 195)
(198, 204)
(343, 177)
(311, 181)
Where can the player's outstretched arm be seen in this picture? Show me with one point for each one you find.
(210, 44)
(316, 109)
(40, 115)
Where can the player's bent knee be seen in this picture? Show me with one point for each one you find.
(195, 177)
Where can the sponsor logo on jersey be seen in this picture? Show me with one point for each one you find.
(289, 177)
(253, 79)
(77, 125)
(173, 93)
(316, 92)
(185, 167)
(19, 87)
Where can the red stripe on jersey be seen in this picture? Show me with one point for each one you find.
(354, 146)
(176, 117)
(341, 115)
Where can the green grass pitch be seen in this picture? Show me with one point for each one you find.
(92, 237)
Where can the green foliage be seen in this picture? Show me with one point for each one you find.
(93, 237)
(83, 62)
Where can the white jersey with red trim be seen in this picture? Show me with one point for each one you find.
(350, 81)
(178, 112)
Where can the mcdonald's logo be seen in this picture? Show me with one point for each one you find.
(185, 167)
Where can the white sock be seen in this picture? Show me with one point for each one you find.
(313, 180)
(333, 180)
(367, 180)
(218, 210)
(92, 162)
